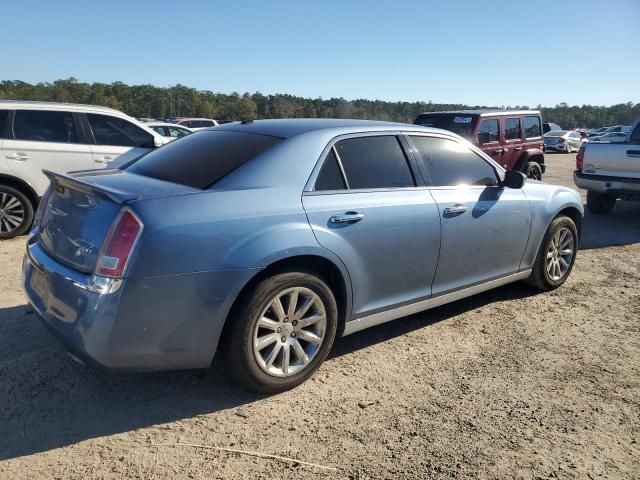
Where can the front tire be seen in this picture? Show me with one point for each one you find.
(280, 332)
(556, 255)
(16, 213)
(600, 203)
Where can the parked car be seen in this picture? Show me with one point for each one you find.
(611, 137)
(609, 171)
(197, 123)
(60, 137)
(550, 127)
(511, 138)
(266, 240)
(170, 131)
(562, 141)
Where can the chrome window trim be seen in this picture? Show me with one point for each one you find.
(361, 323)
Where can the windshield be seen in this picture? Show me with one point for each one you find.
(460, 123)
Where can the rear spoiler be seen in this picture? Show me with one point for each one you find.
(75, 182)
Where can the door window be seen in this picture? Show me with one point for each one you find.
(44, 126)
(118, 132)
(488, 131)
(177, 132)
(330, 176)
(512, 129)
(532, 126)
(4, 115)
(450, 163)
(374, 162)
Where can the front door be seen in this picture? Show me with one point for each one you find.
(485, 227)
(489, 138)
(366, 208)
(512, 142)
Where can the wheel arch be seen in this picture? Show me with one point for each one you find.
(535, 155)
(22, 186)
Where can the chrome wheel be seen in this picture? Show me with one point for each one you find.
(12, 213)
(289, 332)
(560, 254)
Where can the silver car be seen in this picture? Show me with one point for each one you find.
(562, 141)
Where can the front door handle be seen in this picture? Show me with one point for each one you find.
(347, 217)
(454, 211)
(105, 159)
(21, 156)
(497, 151)
(633, 153)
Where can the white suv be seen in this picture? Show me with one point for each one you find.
(61, 137)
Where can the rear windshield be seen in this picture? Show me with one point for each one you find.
(201, 159)
(462, 124)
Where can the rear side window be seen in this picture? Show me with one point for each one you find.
(374, 162)
(330, 176)
(635, 136)
(44, 126)
(532, 126)
(201, 159)
(512, 129)
(450, 163)
(4, 115)
(118, 132)
(488, 131)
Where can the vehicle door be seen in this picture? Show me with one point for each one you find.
(45, 139)
(512, 134)
(116, 138)
(485, 227)
(575, 139)
(532, 129)
(367, 203)
(488, 138)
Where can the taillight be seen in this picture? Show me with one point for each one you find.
(580, 158)
(120, 241)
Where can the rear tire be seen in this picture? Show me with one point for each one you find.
(534, 171)
(269, 349)
(16, 213)
(600, 203)
(556, 256)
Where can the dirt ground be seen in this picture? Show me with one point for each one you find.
(510, 383)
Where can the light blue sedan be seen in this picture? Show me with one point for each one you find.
(265, 240)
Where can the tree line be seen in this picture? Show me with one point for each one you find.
(149, 101)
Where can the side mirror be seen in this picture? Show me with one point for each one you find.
(514, 179)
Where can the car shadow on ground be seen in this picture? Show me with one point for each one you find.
(620, 227)
(48, 401)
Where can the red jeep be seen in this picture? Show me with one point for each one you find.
(513, 138)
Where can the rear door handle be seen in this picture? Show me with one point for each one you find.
(454, 211)
(497, 151)
(104, 159)
(347, 217)
(21, 156)
(518, 148)
(633, 153)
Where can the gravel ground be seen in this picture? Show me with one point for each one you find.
(510, 383)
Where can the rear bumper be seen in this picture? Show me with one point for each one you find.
(555, 148)
(619, 186)
(153, 323)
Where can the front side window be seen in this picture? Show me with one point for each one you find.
(44, 126)
(488, 131)
(118, 132)
(532, 126)
(4, 115)
(512, 129)
(161, 130)
(374, 162)
(177, 132)
(450, 163)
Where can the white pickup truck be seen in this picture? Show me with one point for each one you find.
(609, 171)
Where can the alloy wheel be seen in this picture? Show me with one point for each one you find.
(289, 332)
(12, 213)
(560, 254)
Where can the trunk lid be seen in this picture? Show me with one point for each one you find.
(80, 209)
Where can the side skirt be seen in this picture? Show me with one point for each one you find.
(399, 312)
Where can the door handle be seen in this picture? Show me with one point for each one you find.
(347, 217)
(497, 151)
(104, 159)
(454, 211)
(633, 153)
(21, 156)
(517, 148)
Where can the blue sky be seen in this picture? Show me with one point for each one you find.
(475, 52)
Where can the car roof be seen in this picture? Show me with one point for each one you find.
(287, 128)
(486, 112)
(12, 104)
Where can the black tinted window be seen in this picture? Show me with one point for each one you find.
(635, 136)
(330, 176)
(450, 163)
(462, 124)
(374, 162)
(488, 131)
(201, 159)
(4, 114)
(512, 129)
(115, 131)
(532, 126)
(44, 126)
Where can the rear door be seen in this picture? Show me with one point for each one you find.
(365, 205)
(532, 129)
(45, 139)
(485, 228)
(116, 138)
(512, 134)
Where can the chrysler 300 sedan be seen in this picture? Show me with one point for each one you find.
(265, 240)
